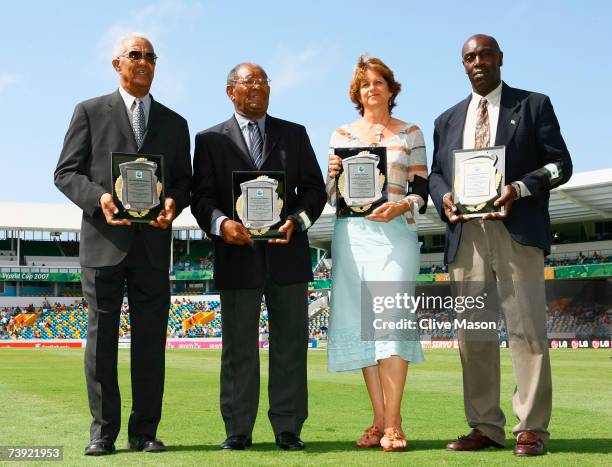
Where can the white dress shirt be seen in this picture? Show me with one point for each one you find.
(243, 123)
(469, 130)
(128, 99)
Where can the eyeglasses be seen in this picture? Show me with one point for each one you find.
(137, 55)
(252, 82)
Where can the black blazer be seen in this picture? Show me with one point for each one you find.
(98, 127)
(530, 131)
(221, 150)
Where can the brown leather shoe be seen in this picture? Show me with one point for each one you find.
(528, 444)
(474, 441)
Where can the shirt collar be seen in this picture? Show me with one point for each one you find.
(243, 122)
(493, 98)
(128, 99)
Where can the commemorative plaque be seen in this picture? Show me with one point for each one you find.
(361, 185)
(478, 179)
(138, 185)
(259, 202)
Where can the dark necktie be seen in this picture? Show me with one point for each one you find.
(138, 121)
(482, 137)
(256, 144)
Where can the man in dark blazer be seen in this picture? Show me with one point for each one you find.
(115, 252)
(506, 249)
(245, 270)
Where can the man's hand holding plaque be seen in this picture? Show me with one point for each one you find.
(505, 201)
(234, 233)
(451, 210)
(287, 228)
(110, 210)
(478, 181)
(165, 216)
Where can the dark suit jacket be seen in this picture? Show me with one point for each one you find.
(98, 127)
(221, 150)
(530, 131)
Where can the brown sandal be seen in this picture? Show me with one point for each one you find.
(370, 438)
(391, 435)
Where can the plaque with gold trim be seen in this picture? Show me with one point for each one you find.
(259, 202)
(478, 179)
(138, 185)
(361, 185)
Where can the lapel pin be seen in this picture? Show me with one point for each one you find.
(512, 122)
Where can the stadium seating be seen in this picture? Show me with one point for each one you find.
(40, 248)
(53, 261)
(70, 322)
(197, 250)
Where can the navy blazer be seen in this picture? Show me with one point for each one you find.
(218, 152)
(530, 131)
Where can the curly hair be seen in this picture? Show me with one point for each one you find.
(364, 64)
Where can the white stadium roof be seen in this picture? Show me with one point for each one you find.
(587, 196)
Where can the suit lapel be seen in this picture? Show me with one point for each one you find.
(120, 119)
(508, 117)
(154, 123)
(270, 139)
(232, 131)
(457, 123)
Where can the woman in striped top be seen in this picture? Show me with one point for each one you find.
(382, 246)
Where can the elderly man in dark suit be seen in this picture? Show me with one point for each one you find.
(506, 248)
(245, 270)
(114, 252)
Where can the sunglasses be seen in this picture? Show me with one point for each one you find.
(137, 55)
(252, 82)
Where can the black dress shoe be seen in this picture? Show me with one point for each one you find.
(236, 443)
(146, 444)
(289, 441)
(100, 447)
(473, 441)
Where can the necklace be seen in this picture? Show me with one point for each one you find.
(379, 134)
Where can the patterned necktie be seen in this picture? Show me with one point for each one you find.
(481, 139)
(138, 121)
(256, 144)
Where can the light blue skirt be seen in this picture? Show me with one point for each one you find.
(364, 250)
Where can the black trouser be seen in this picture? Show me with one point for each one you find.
(149, 299)
(287, 389)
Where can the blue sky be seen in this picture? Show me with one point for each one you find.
(56, 54)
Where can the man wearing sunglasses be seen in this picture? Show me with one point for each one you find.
(115, 253)
(245, 270)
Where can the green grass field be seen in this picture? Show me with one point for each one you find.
(43, 400)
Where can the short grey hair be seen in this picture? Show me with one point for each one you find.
(232, 76)
(120, 45)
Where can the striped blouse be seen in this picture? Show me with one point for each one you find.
(406, 157)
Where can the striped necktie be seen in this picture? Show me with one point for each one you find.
(138, 121)
(482, 136)
(256, 144)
